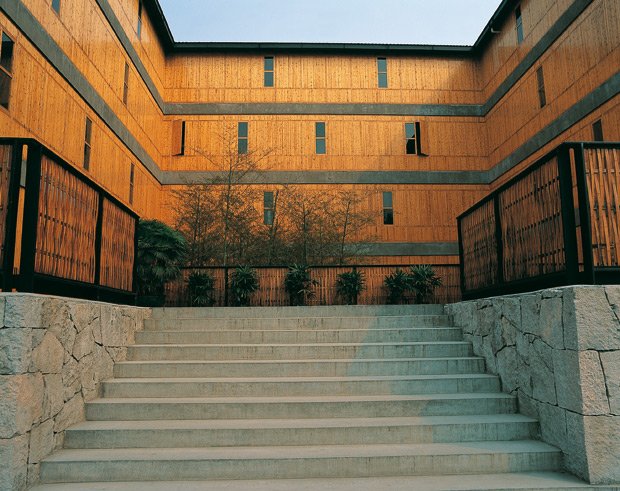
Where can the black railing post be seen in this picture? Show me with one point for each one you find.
(98, 234)
(134, 280)
(461, 258)
(499, 242)
(585, 219)
(31, 217)
(10, 230)
(225, 286)
(567, 207)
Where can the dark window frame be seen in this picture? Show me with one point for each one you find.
(540, 83)
(140, 12)
(597, 131)
(88, 138)
(413, 141)
(320, 140)
(382, 73)
(269, 75)
(6, 68)
(242, 138)
(126, 85)
(388, 208)
(269, 209)
(55, 4)
(519, 24)
(132, 177)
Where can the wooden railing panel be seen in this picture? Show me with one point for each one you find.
(602, 167)
(531, 220)
(117, 247)
(479, 247)
(68, 209)
(5, 178)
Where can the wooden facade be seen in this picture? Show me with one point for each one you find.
(478, 109)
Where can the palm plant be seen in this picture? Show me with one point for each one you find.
(398, 284)
(349, 285)
(299, 284)
(243, 284)
(424, 280)
(201, 286)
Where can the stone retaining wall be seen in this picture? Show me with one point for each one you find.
(558, 350)
(53, 354)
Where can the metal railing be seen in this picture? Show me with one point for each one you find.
(556, 223)
(61, 233)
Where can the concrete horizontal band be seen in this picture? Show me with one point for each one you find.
(408, 249)
(330, 177)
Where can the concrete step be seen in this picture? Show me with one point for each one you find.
(131, 409)
(291, 462)
(280, 312)
(293, 323)
(523, 481)
(299, 368)
(300, 386)
(297, 336)
(337, 431)
(148, 352)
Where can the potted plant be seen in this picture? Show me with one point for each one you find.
(398, 284)
(349, 285)
(244, 283)
(201, 286)
(160, 252)
(424, 280)
(299, 284)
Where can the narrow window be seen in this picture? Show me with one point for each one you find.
(519, 24)
(87, 143)
(319, 133)
(268, 208)
(388, 208)
(597, 131)
(269, 77)
(412, 138)
(132, 176)
(382, 73)
(126, 84)
(139, 28)
(542, 96)
(242, 138)
(56, 6)
(182, 146)
(6, 69)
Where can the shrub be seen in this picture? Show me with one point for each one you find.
(160, 252)
(424, 280)
(201, 286)
(349, 285)
(244, 283)
(398, 284)
(298, 284)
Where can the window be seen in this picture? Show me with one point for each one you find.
(413, 138)
(126, 84)
(132, 175)
(242, 138)
(519, 24)
(319, 133)
(6, 69)
(269, 211)
(139, 28)
(540, 77)
(56, 6)
(178, 137)
(382, 73)
(388, 208)
(597, 131)
(269, 77)
(87, 143)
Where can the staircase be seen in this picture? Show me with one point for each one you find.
(250, 399)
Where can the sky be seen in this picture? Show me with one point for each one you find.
(456, 22)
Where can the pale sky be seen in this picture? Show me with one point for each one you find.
(457, 22)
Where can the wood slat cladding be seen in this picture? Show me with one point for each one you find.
(117, 247)
(320, 79)
(352, 143)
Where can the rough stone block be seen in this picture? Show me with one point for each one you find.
(111, 326)
(14, 463)
(550, 327)
(84, 343)
(21, 403)
(23, 310)
(611, 369)
(575, 458)
(49, 356)
(41, 442)
(589, 321)
(613, 297)
(485, 318)
(530, 312)
(553, 425)
(70, 379)
(53, 395)
(15, 350)
(602, 444)
(71, 413)
(508, 368)
(592, 381)
(542, 368)
(85, 314)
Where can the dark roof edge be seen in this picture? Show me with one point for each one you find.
(166, 37)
